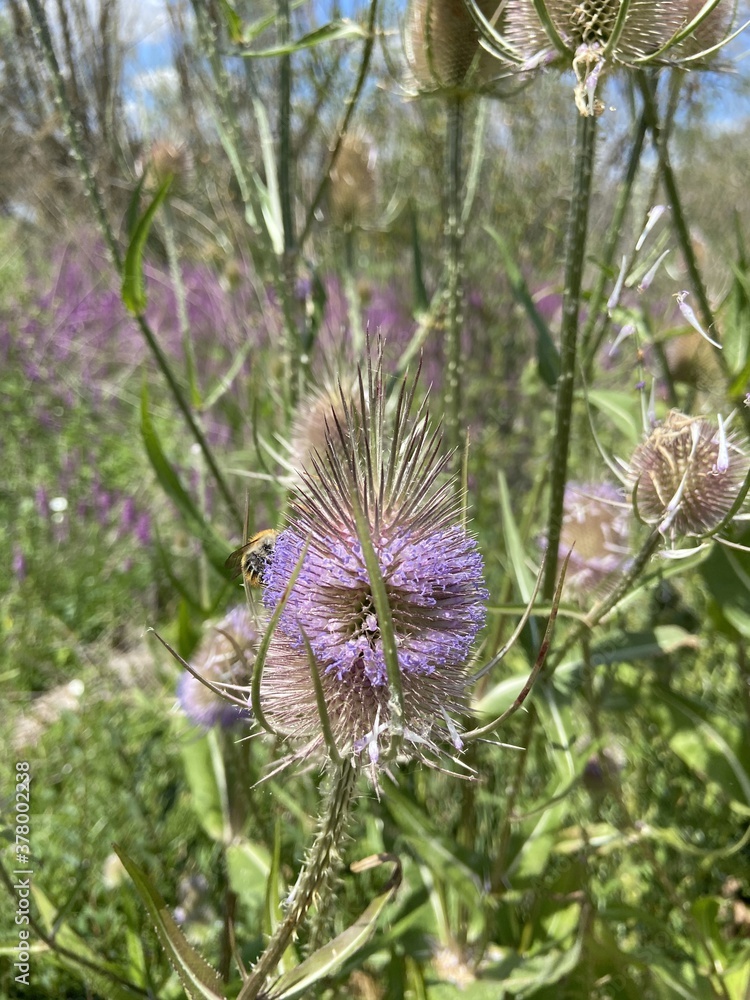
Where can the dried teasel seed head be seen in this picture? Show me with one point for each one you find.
(315, 422)
(590, 24)
(442, 44)
(351, 192)
(686, 475)
(710, 32)
(166, 159)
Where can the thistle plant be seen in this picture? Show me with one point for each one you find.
(377, 595)
(594, 37)
(380, 486)
(596, 533)
(687, 475)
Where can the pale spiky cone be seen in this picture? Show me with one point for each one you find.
(591, 22)
(687, 475)
(710, 32)
(170, 159)
(351, 193)
(442, 44)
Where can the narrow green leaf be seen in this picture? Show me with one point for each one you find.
(441, 857)
(133, 287)
(131, 215)
(207, 782)
(711, 748)
(621, 408)
(232, 20)
(265, 642)
(513, 544)
(268, 193)
(248, 871)
(620, 647)
(225, 383)
(331, 32)
(548, 357)
(385, 622)
(524, 975)
(332, 956)
(421, 298)
(199, 980)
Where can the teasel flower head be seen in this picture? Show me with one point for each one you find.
(379, 491)
(442, 46)
(686, 476)
(595, 531)
(316, 414)
(167, 158)
(592, 37)
(351, 191)
(225, 660)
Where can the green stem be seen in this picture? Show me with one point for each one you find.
(350, 105)
(94, 194)
(575, 255)
(285, 171)
(315, 871)
(453, 241)
(679, 220)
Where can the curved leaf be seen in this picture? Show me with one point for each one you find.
(199, 980)
(133, 288)
(332, 956)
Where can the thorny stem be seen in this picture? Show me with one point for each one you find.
(351, 103)
(315, 871)
(453, 241)
(94, 194)
(285, 169)
(574, 262)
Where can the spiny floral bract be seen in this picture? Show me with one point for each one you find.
(391, 463)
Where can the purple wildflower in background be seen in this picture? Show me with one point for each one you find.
(224, 658)
(433, 575)
(18, 564)
(595, 531)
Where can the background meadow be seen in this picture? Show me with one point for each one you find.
(279, 182)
